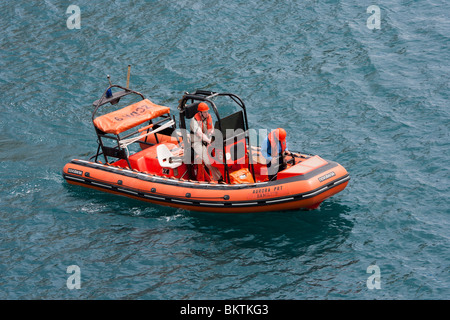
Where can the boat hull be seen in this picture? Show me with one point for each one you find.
(307, 190)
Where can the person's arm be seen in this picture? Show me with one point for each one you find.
(206, 138)
(210, 134)
(264, 149)
(195, 128)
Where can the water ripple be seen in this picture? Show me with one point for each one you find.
(376, 101)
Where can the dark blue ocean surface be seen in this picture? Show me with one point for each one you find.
(374, 100)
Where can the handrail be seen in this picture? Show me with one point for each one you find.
(125, 142)
(206, 96)
(102, 101)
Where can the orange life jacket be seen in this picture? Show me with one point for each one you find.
(273, 140)
(209, 122)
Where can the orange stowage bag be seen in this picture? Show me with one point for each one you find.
(129, 117)
(241, 176)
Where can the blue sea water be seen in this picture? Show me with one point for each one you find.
(374, 100)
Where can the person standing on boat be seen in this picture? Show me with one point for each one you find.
(274, 149)
(202, 130)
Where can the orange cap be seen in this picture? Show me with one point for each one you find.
(202, 107)
(281, 133)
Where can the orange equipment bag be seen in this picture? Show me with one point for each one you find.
(241, 176)
(130, 117)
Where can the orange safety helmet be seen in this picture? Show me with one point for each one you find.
(202, 107)
(281, 134)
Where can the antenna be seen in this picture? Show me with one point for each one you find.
(109, 92)
(128, 76)
(109, 79)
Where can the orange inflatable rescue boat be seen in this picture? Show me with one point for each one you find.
(143, 155)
